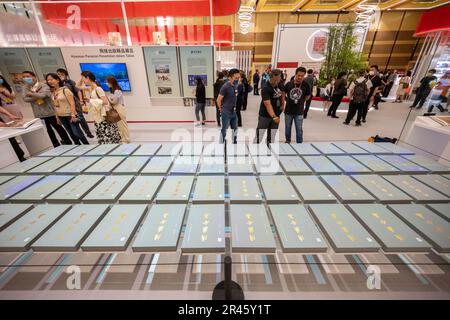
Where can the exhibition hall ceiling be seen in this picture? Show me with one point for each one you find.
(338, 5)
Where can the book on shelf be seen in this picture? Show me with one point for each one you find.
(19, 124)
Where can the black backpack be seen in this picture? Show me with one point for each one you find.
(360, 92)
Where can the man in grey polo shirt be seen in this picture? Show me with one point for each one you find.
(226, 102)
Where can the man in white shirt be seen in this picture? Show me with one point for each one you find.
(359, 91)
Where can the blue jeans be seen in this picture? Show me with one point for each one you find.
(298, 120)
(228, 119)
(200, 107)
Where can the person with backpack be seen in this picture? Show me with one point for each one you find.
(359, 91)
(78, 97)
(66, 113)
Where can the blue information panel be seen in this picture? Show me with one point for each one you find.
(294, 165)
(78, 166)
(296, 230)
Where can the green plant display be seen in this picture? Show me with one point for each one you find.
(341, 53)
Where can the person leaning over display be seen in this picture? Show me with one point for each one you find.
(78, 96)
(297, 92)
(272, 105)
(226, 102)
(39, 96)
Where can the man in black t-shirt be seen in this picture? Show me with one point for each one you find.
(297, 92)
(272, 105)
(375, 79)
(424, 89)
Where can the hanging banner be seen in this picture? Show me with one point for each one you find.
(162, 71)
(197, 62)
(46, 60)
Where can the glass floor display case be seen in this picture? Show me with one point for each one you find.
(156, 220)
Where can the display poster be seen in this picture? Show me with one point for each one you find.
(197, 61)
(162, 71)
(46, 60)
(13, 61)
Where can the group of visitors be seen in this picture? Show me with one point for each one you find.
(62, 103)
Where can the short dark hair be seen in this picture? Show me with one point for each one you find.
(432, 70)
(408, 73)
(61, 70)
(275, 72)
(89, 75)
(30, 72)
(374, 66)
(341, 74)
(361, 73)
(310, 71)
(54, 76)
(232, 72)
(300, 69)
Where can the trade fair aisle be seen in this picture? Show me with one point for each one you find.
(323, 201)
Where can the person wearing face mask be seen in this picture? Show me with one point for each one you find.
(39, 96)
(297, 92)
(107, 133)
(226, 102)
(271, 107)
(374, 90)
(78, 97)
(64, 103)
(424, 89)
(339, 92)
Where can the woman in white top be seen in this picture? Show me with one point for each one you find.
(403, 87)
(98, 105)
(115, 98)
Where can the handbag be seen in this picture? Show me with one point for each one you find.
(112, 116)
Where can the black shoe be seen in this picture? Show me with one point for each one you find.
(357, 124)
(418, 108)
(335, 117)
(411, 107)
(375, 107)
(90, 135)
(346, 123)
(364, 120)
